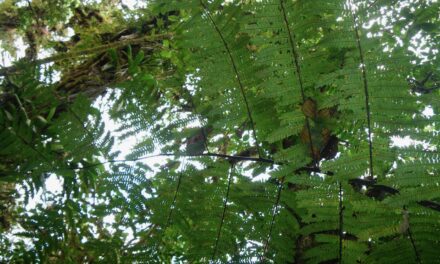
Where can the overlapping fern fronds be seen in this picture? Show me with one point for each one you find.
(311, 96)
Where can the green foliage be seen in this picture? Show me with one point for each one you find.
(263, 132)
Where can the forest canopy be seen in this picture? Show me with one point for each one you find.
(219, 131)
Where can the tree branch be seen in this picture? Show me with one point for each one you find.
(74, 54)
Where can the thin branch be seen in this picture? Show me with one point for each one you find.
(228, 157)
(295, 60)
(414, 246)
(231, 159)
(99, 49)
(365, 83)
(172, 206)
(341, 223)
(225, 204)
(174, 200)
(411, 238)
(272, 222)
(295, 215)
(237, 75)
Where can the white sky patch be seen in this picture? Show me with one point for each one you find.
(261, 177)
(53, 184)
(428, 112)
(109, 220)
(5, 57)
(103, 104)
(134, 4)
(406, 141)
(126, 145)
